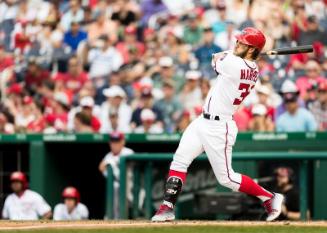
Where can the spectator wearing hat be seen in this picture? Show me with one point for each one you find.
(170, 106)
(75, 13)
(88, 117)
(205, 51)
(71, 208)
(130, 44)
(104, 58)
(264, 97)
(319, 107)
(193, 31)
(296, 118)
(288, 86)
(191, 95)
(74, 36)
(167, 72)
(260, 122)
(310, 81)
(116, 109)
(118, 149)
(284, 183)
(23, 203)
(101, 26)
(148, 126)
(146, 102)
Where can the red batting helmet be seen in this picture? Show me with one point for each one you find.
(19, 176)
(253, 37)
(71, 192)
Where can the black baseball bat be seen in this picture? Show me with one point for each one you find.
(290, 50)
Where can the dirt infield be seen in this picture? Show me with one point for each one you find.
(31, 225)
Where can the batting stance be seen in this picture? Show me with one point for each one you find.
(215, 130)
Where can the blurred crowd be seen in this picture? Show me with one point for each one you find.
(144, 66)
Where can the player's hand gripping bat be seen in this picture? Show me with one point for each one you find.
(290, 50)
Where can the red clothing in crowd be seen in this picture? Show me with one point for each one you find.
(6, 62)
(36, 79)
(71, 82)
(36, 126)
(242, 119)
(21, 41)
(304, 84)
(95, 123)
(124, 48)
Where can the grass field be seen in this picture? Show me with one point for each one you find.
(180, 227)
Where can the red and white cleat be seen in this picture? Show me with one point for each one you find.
(273, 206)
(164, 214)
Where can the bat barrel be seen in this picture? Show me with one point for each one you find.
(290, 50)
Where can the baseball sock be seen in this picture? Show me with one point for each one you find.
(250, 187)
(173, 187)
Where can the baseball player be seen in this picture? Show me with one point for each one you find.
(72, 208)
(24, 204)
(118, 149)
(215, 130)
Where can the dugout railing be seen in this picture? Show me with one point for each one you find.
(55, 161)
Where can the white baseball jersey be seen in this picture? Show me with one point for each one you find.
(80, 212)
(113, 160)
(236, 78)
(29, 206)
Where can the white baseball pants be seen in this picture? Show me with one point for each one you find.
(216, 138)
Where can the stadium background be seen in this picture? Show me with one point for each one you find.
(152, 49)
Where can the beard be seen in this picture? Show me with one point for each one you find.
(243, 53)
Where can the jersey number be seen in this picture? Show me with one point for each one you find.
(245, 88)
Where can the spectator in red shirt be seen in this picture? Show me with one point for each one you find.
(75, 78)
(311, 79)
(87, 104)
(130, 44)
(35, 75)
(6, 60)
(22, 39)
(60, 106)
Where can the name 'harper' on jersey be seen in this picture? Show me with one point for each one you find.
(249, 74)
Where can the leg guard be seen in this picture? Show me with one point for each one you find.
(172, 190)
